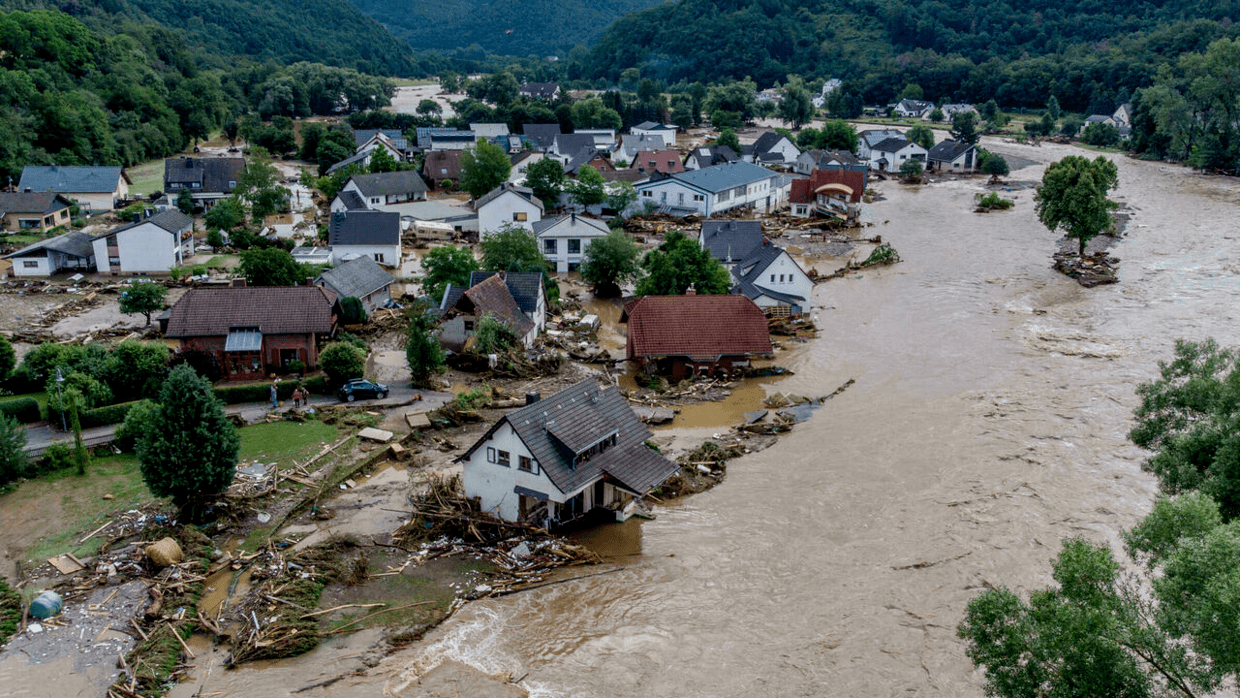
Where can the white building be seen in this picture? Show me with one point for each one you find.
(46, 257)
(564, 240)
(712, 190)
(891, 154)
(374, 234)
(557, 459)
(152, 245)
(384, 188)
(508, 203)
(663, 132)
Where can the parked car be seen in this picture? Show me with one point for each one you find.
(361, 388)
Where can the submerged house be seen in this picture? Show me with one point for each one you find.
(253, 330)
(557, 460)
(685, 336)
(462, 309)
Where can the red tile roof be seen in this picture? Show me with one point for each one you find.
(701, 327)
(852, 179)
(801, 193)
(212, 312)
(665, 161)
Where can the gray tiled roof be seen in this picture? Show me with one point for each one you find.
(70, 180)
(947, 151)
(75, 243)
(543, 135)
(721, 177)
(171, 220)
(351, 160)
(523, 192)
(390, 183)
(215, 175)
(357, 278)
(878, 135)
(352, 200)
(891, 145)
(585, 413)
(31, 202)
(731, 239)
(361, 135)
(751, 269)
(569, 143)
(364, 228)
(575, 222)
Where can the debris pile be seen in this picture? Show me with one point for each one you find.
(1092, 270)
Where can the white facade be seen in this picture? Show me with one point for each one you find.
(142, 249)
(895, 159)
(373, 202)
(762, 195)
(604, 138)
(784, 275)
(33, 266)
(508, 207)
(564, 244)
(786, 148)
(517, 175)
(664, 132)
(385, 255)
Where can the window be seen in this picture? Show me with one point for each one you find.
(574, 266)
(574, 246)
(524, 463)
(501, 458)
(469, 325)
(682, 197)
(699, 197)
(114, 261)
(379, 257)
(27, 223)
(648, 194)
(30, 265)
(519, 216)
(550, 247)
(772, 278)
(490, 455)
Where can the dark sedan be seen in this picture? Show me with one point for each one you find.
(359, 388)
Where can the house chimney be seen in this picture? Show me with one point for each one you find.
(691, 291)
(531, 398)
(309, 280)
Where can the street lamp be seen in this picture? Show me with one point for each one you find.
(61, 397)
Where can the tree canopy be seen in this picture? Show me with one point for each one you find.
(546, 178)
(186, 445)
(1073, 196)
(270, 267)
(422, 351)
(483, 168)
(609, 262)
(144, 299)
(678, 263)
(512, 248)
(446, 265)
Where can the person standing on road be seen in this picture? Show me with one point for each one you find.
(274, 395)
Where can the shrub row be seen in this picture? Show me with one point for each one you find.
(98, 417)
(24, 410)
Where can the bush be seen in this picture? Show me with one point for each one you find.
(342, 361)
(351, 311)
(13, 459)
(297, 366)
(58, 456)
(104, 416)
(24, 410)
(258, 392)
(993, 201)
(130, 429)
(204, 363)
(317, 385)
(354, 340)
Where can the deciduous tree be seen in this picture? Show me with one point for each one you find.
(1073, 196)
(546, 178)
(512, 248)
(678, 263)
(589, 188)
(269, 267)
(342, 361)
(483, 168)
(446, 265)
(144, 299)
(422, 350)
(964, 128)
(921, 135)
(610, 262)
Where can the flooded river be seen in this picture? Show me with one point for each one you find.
(987, 422)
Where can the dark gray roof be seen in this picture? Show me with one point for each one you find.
(878, 135)
(352, 200)
(390, 183)
(708, 156)
(731, 239)
(767, 141)
(525, 286)
(70, 180)
(215, 175)
(654, 126)
(31, 202)
(555, 429)
(351, 160)
(746, 288)
(570, 143)
(579, 158)
(451, 295)
(751, 269)
(543, 135)
(361, 135)
(891, 145)
(171, 220)
(947, 151)
(424, 134)
(540, 90)
(575, 222)
(357, 278)
(364, 228)
(75, 243)
(523, 192)
(825, 156)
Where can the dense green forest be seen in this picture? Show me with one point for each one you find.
(75, 95)
(1090, 55)
(500, 27)
(217, 32)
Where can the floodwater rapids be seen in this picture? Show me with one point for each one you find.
(988, 422)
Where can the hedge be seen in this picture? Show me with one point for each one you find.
(23, 409)
(98, 417)
(259, 392)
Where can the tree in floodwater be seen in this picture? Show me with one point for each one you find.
(1073, 196)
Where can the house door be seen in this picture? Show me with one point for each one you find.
(598, 495)
(289, 355)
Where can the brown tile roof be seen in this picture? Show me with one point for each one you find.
(437, 161)
(31, 202)
(211, 312)
(665, 161)
(700, 327)
(492, 296)
(803, 189)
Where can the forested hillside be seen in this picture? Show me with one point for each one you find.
(74, 95)
(501, 27)
(332, 32)
(1089, 54)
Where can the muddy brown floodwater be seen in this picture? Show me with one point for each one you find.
(987, 423)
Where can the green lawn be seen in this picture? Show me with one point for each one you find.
(224, 261)
(146, 178)
(285, 442)
(83, 508)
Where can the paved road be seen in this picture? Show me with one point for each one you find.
(38, 438)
